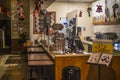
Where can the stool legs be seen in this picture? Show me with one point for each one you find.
(31, 73)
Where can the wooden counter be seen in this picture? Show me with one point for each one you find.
(88, 71)
(62, 61)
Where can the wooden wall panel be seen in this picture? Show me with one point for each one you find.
(15, 44)
(116, 67)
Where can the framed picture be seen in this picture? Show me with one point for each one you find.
(41, 25)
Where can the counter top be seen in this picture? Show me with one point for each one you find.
(69, 54)
(87, 42)
(54, 54)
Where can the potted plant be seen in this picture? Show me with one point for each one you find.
(23, 37)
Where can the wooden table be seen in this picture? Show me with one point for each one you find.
(38, 57)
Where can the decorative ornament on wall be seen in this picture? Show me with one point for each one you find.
(42, 18)
(4, 11)
(80, 14)
(107, 12)
(20, 10)
(38, 4)
(115, 6)
(99, 8)
(18, 13)
(88, 10)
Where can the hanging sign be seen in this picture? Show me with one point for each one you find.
(99, 8)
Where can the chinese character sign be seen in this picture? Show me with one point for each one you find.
(94, 58)
(105, 59)
(102, 47)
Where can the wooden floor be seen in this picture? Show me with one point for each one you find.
(15, 67)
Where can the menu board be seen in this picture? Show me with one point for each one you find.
(105, 59)
(94, 58)
(100, 58)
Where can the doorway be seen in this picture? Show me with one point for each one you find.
(5, 34)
